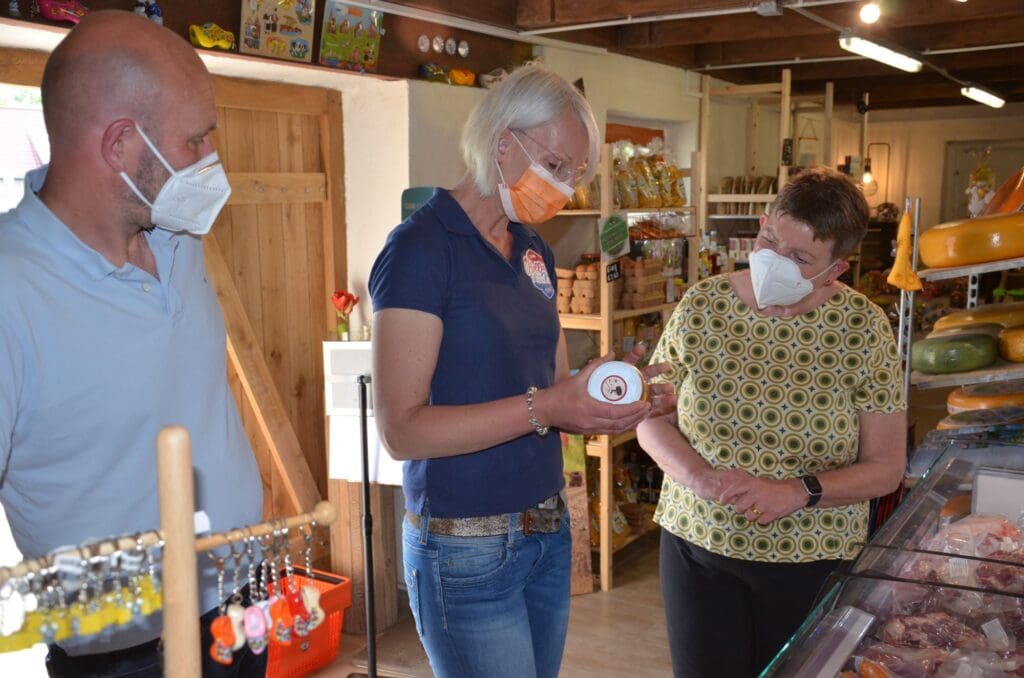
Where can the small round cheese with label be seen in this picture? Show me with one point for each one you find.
(617, 382)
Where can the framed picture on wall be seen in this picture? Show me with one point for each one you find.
(350, 38)
(282, 29)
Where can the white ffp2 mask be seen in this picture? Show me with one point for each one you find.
(191, 198)
(777, 280)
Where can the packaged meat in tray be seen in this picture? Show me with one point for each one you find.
(872, 626)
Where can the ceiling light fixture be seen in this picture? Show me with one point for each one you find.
(869, 12)
(889, 56)
(982, 95)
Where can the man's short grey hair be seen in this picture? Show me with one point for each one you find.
(530, 97)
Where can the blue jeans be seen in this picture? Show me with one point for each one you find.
(490, 606)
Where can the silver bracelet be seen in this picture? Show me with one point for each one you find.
(541, 430)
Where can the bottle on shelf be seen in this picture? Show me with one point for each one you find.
(704, 257)
(628, 335)
(713, 256)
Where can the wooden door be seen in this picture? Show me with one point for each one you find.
(279, 239)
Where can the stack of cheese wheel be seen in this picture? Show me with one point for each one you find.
(953, 353)
(986, 396)
(1007, 315)
(1011, 344)
(983, 418)
(973, 241)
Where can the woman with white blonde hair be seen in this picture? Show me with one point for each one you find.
(471, 377)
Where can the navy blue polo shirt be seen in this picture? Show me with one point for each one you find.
(500, 337)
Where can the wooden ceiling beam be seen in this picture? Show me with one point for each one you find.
(754, 51)
(716, 29)
(918, 13)
(960, 34)
(535, 14)
(1005, 62)
(496, 12)
(899, 95)
(934, 37)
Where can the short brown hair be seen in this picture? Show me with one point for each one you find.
(830, 203)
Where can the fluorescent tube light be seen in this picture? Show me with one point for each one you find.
(885, 55)
(982, 95)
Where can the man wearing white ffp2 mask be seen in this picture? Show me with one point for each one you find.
(191, 198)
(79, 409)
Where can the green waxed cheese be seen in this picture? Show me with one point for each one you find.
(958, 353)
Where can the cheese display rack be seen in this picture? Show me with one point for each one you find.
(1001, 370)
(603, 447)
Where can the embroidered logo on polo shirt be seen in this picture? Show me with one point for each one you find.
(533, 266)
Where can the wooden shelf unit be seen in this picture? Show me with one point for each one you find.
(789, 107)
(603, 447)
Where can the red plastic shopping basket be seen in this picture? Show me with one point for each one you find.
(309, 653)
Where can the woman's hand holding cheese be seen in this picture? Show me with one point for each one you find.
(566, 405)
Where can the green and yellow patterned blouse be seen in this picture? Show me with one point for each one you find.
(777, 397)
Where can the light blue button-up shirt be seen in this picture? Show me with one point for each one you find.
(94, 361)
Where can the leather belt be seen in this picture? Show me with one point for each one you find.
(534, 519)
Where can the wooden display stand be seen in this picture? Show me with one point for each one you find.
(180, 583)
(179, 580)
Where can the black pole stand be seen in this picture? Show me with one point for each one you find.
(371, 622)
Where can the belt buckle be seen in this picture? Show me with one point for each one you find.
(527, 523)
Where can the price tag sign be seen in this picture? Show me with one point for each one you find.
(613, 272)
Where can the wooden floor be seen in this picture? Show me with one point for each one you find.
(617, 633)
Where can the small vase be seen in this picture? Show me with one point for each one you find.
(342, 330)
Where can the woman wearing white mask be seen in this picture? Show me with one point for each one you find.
(471, 380)
(790, 417)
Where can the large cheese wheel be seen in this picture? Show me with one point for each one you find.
(986, 396)
(973, 241)
(993, 417)
(1007, 315)
(991, 329)
(1011, 344)
(1009, 197)
(959, 353)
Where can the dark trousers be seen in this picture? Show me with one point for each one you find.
(146, 660)
(728, 618)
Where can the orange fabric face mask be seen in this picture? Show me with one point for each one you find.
(536, 197)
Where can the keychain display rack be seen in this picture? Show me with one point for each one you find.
(176, 537)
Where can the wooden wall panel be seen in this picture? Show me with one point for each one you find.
(348, 552)
(268, 247)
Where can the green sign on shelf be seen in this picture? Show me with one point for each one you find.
(614, 236)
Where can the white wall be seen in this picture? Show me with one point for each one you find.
(436, 114)
(632, 91)
(918, 139)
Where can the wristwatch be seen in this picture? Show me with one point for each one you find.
(813, 489)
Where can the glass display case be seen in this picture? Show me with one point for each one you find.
(939, 590)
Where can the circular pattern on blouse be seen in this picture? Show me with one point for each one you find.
(779, 398)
